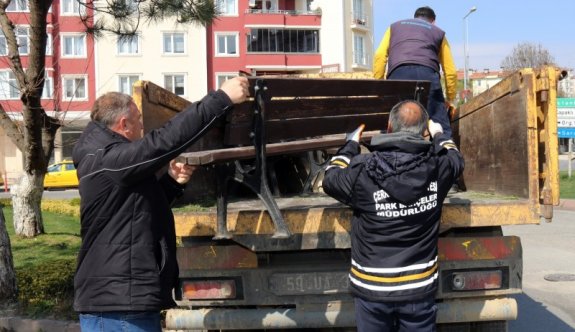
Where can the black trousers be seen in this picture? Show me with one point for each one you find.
(417, 316)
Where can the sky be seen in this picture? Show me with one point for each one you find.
(494, 29)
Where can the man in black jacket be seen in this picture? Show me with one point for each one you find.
(396, 192)
(127, 265)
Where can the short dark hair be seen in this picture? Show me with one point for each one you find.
(403, 118)
(425, 12)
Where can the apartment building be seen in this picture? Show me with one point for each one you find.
(254, 36)
(69, 86)
(266, 37)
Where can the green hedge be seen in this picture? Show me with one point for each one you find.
(47, 289)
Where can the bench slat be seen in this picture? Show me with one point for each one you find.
(208, 157)
(303, 87)
(277, 109)
(285, 130)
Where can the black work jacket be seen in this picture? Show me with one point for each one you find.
(127, 261)
(396, 193)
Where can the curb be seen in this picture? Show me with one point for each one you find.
(566, 204)
(16, 324)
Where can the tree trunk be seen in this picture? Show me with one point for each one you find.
(8, 288)
(26, 199)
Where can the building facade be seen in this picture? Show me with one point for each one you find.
(69, 86)
(257, 37)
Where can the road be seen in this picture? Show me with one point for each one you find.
(548, 250)
(51, 194)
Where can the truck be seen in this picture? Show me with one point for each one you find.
(508, 137)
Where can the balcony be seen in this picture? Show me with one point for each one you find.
(359, 21)
(361, 60)
(283, 13)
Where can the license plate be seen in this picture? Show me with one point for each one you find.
(309, 283)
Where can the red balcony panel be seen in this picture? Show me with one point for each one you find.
(303, 20)
(293, 60)
(265, 19)
(282, 19)
(266, 59)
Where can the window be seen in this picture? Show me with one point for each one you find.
(221, 78)
(72, 7)
(128, 45)
(74, 46)
(227, 7)
(359, 55)
(227, 44)
(8, 85)
(125, 83)
(265, 5)
(175, 84)
(75, 87)
(174, 43)
(3, 44)
(48, 91)
(283, 41)
(49, 44)
(18, 6)
(23, 42)
(358, 12)
(22, 38)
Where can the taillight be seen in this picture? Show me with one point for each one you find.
(209, 289)
(476, 280)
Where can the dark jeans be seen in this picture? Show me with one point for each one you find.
(436, 102)
(121, 321)
(417, 316)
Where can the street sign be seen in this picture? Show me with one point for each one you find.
(566, 117)
(566, 132)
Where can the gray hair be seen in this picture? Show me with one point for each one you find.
(109, 107)
(404, 118)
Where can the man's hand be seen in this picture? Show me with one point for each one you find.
(180, 171)
(434, 128)
(237, 89)
(356, 134)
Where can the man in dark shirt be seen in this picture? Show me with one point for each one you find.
(127, 265)
(396, 193)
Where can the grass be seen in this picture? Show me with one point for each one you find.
(566, 185)
(45, 265)
(61, 240)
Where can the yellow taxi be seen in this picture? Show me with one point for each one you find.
(61, 175)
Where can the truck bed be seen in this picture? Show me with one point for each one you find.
(310, 216)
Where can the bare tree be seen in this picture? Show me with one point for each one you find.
(35, 136)
(527, 55)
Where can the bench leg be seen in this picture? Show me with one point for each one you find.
(315, 167)
(258, 183)
(222, 175)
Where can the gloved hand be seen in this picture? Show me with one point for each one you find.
(434, 128)
(356, 134)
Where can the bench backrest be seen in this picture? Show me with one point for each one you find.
(297, 108)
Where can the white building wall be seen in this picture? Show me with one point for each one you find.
(337, 33)
(152, 63)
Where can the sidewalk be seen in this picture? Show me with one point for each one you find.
(566, 204)
(45, 325)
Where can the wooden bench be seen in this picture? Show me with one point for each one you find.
(295, 115)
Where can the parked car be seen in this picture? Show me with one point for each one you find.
(61, 175)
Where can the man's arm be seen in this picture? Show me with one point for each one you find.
(449, 70)
(381, 55)
(339, 176)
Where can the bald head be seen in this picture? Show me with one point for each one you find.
(408, 116)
